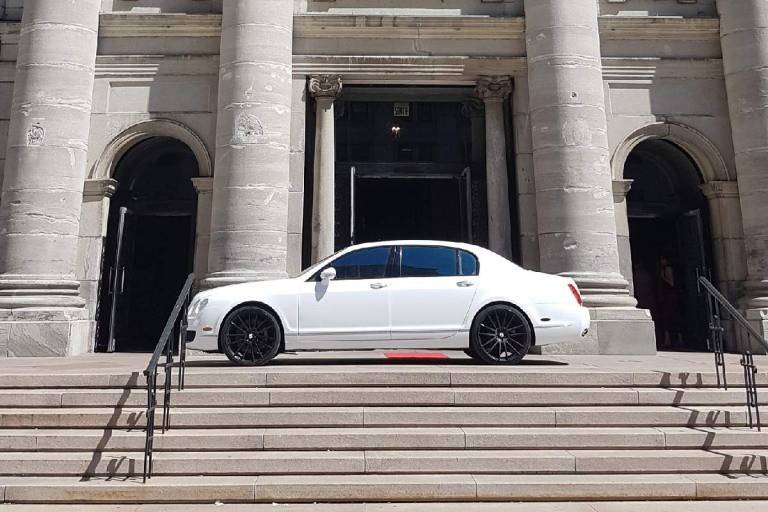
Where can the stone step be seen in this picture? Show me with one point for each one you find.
(431, 376)
(427, 416)
(362, 438)
(251, 397)
(386, 462)
(595, 506)
(384, 488)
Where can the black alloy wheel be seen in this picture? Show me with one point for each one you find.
(250, 336)
(500, 334)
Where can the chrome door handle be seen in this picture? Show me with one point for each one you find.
(465, 284)
(378, 286)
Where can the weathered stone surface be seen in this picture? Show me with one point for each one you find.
(249, 226)
(744, 32)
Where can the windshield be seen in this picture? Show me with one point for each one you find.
(314, 268)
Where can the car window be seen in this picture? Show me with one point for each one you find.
(417, 261)
(368, 263)
(468, 264)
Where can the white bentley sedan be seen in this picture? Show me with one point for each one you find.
(392, 295)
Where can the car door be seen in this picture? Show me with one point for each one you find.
(352, 307)
(433, 293)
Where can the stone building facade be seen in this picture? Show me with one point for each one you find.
(623, 143)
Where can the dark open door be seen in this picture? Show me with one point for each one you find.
(693, 262)
(118, 273)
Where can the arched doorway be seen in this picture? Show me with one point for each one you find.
(670, 240)
(149, 246)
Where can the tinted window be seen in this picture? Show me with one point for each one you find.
(428, 262)
(468, 264)
(363, 264)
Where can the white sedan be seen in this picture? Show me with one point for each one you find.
(392, 295)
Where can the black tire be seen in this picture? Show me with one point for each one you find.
(500, 334)
(250, 336)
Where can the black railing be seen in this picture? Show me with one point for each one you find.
(723, 314)
(175, 329)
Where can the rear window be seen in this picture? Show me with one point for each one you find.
(468, 264)
(418, 261)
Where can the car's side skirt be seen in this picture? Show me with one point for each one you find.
(459, 340)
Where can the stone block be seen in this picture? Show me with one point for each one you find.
(458, 416)
(158, 490)
(469, 461)
(732, 486)
(583, 487)
(713, 437)
(359, 378)
(562, 438)
(357, 396)
(343, 488)
(46, 338)
(363, 438)
(5, 335)
(650, 416)
(550, 397)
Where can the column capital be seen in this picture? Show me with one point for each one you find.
(100, 188)
(620, 190)
(325, 86)
(203, 185)
(493, 88)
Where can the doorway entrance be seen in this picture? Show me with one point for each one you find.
(409, 206)
(671, 243)
(149, 247)
(409, 165)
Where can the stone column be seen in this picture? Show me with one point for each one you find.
(526, 181)
(325, 89)
(41, 309)
(744, 39)
(574, 196)
(204, 188)
(620, 190)
(493, 91)
(250, 190)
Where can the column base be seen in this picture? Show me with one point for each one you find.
(44, 332)
(614, 331)
(218, 279)
(759, 320)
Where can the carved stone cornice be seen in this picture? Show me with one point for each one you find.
(203, 185)
(620, 189)
(100, 188)
(494, 88)
(325, 86)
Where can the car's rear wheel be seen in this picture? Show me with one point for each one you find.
(250, 336)
(500, 334)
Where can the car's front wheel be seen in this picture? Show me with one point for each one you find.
(250, 336)
(500, 334)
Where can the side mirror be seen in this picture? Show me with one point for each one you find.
(328, 274)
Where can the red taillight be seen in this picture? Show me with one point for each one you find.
(576, 294)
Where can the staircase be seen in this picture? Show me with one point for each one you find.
(448, 432)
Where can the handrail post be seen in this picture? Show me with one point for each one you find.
(175, 329)
(716, 303)
(150, 422)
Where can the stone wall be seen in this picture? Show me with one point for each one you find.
(158, 71)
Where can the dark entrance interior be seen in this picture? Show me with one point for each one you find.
(670, 239)
(149, 247)
(410, 164)
(427, 208)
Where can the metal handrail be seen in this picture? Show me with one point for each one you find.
(175, 328)
(715, 301)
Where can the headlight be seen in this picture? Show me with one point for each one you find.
(197, 306)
